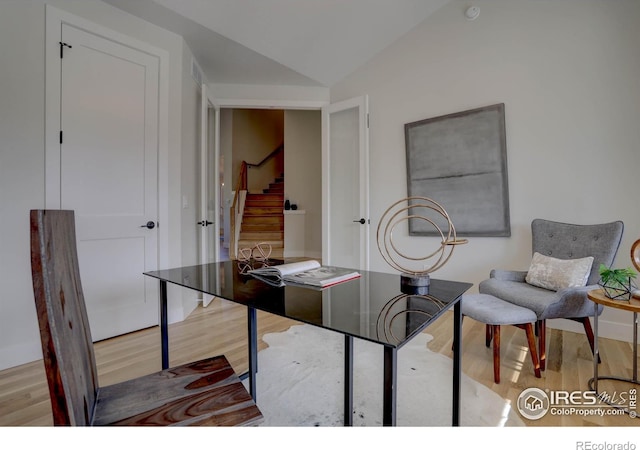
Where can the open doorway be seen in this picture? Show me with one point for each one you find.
(254, 136)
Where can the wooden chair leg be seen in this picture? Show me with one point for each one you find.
(542, 342)
(488, 335)
(495, 331)
(528, 327)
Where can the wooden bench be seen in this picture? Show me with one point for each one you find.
(494, 312)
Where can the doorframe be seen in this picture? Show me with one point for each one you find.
(208, 162)
(231, 103)
(54, 19)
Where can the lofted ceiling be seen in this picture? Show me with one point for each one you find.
(284, 42)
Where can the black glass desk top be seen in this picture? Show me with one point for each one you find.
(371, 307)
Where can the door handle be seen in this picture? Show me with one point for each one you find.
(150, 225)
(205, 223)
(362, 221)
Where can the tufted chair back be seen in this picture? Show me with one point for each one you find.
(569, 241)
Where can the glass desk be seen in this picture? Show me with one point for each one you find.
(371, 307)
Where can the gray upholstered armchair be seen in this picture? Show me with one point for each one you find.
(566, 242)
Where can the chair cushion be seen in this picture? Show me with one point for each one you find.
(555, 274)
(493, 311)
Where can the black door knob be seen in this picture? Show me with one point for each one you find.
(150, 225)
(362, 221)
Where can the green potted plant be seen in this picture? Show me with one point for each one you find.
(617, 283)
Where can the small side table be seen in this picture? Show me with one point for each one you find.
(599, 298)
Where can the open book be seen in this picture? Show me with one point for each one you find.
(310, 273)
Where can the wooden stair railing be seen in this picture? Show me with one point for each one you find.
(237, 209)
(237, 206)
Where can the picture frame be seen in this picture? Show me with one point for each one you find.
(459, 161)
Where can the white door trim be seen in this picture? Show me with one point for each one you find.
(54, 18)
(204, 174)
(268, 104)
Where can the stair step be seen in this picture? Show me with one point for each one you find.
(262, 211)
(265, 197)
(277, 253)
(263, 219)
(261, 226)
(261, 236)
(251, 225)
(275, 244)
(274, 203)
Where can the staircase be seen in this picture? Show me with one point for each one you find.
(263, 220)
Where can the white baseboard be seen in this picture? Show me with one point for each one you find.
(606, 328)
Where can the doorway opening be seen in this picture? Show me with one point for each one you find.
(282, 151)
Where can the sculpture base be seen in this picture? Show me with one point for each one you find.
(414, 284)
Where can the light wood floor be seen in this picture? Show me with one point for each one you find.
(221, 328)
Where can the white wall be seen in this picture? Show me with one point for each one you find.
(22, 95)
(569, 75)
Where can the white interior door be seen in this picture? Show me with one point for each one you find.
(345, 184)
(108, 174)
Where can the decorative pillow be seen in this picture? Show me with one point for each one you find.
(554, 274)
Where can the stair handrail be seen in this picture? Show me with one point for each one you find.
(268, 157)
(237, 209)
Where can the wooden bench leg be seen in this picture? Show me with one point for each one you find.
(528, 327)
(488, 335)
(542, 341)
(495, 331)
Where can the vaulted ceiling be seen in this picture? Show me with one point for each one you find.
(284, 42)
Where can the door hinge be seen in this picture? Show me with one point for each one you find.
(62, 46)
(61, 136)
(367, 120)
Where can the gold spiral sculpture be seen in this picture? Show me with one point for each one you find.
(416, 279)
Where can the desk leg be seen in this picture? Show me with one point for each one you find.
(253, 350)
(348, 381)
(164, 331)
(457, 362)
(390, 386)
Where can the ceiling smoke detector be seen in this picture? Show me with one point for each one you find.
(472, 12)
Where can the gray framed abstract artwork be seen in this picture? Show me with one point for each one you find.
(460, 161)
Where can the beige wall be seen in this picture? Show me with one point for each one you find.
(569, 75)
(255, 134)
(303, 180)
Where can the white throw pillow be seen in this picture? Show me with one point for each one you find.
(554, 274)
